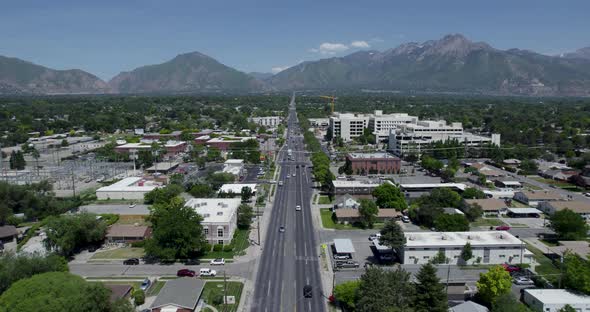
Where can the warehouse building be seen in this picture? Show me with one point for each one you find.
(488, 247)
(133, 188)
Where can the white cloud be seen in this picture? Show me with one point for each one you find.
(360, 44)
(278, 69)
(332, 48)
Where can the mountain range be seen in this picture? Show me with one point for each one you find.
(450, 64)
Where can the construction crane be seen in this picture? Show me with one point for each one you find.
(332, 104)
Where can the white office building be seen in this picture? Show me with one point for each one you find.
(234, 166)
(133, 188)
(220, 217)
(412, 138)
(269, 121)
(488, 247)
(553, 300)
(349, 126)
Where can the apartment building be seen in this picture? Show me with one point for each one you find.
(348, 126)
(220, 217)
(268, 121)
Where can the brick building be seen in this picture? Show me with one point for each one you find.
(366, 163)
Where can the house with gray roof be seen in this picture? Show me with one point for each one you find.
(469, 306)
(179, 295)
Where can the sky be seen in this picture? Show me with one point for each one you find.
(109, 36)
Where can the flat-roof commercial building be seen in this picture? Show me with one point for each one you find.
(414, 137)
(422, 187)
(133, 188)
(533, 198)
(343, 246)
(234, 166)
(224, 143)
(580, 207)
(132, 147)
(373, 163)
(341, 187)
(553, 300)
(236, 188)
(268, 121)
(488, 247)
(219, 217)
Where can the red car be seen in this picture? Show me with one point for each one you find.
(510, 268)
(503, 228)
(185, 272)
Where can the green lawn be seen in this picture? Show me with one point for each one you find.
(119, 253)
(552, 182)
(155, 289)
(545, 267)
(325, 200)
(240, 243)
(328, 223)
(213, 294)
(486, 222)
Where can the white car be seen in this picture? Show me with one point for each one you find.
(521, 280)
(280, 183)
(207, 272)
(218, 261)
(406, 219)
(298, 208)
(294, 174)
(132, 206)
(374, 236)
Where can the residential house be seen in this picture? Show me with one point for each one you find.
(8, 233)
(580, 207)
(533, 198)
(346, 201)
(179, 295)
(349, 215)
(127, 233)
(469, 306)
(119, 291)
(490, 206)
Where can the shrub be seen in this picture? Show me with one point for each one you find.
(138, 244)
(217, 299)
(207, 247)
(229, 247)
(138, 297)
(217, 247)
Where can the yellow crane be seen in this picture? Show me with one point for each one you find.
(332, 104)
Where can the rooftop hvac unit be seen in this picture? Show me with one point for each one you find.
(411, 237)
(220, 213)
(219, 204)
(443, 237)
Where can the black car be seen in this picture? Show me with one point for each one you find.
(131, 261)
(192, 262)
(307, 291)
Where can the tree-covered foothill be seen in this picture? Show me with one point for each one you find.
(388, 195)
(67, 234)
(16, 267)
(59, 292)
(568, 225)
(177, 232)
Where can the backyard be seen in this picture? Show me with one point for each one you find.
(486, 222)
(328, 222)
(119, 253)
(213, 294)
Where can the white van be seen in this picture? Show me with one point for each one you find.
(207, 272)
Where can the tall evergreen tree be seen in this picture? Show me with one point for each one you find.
(430, 293)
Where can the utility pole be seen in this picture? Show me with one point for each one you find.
(73, 184)
(224, 291)
(258, 221)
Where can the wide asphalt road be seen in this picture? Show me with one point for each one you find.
(289, 259)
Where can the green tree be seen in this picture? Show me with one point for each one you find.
(368, 211)
(213, 154)
(176, 231)
(493, 284)
(430, 293)
(16, 267)
(472, 212)
(138, 297)
(466, 253)
(163, 194)
(431, 164)
(17, 160)
(380, 291)
(36, 156)
(216, 180)
(245, 215)
(508, 303)
(388, 195)
(64, 143)
(59, 292)
(346, 294)
(451, 223)
(567, 308)
(246, 193)
(201, 191)
(439, 258)
(68, 233)
(568, 225)
(576, 273)
(473, 193)
(529, 167)
(392, 235)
